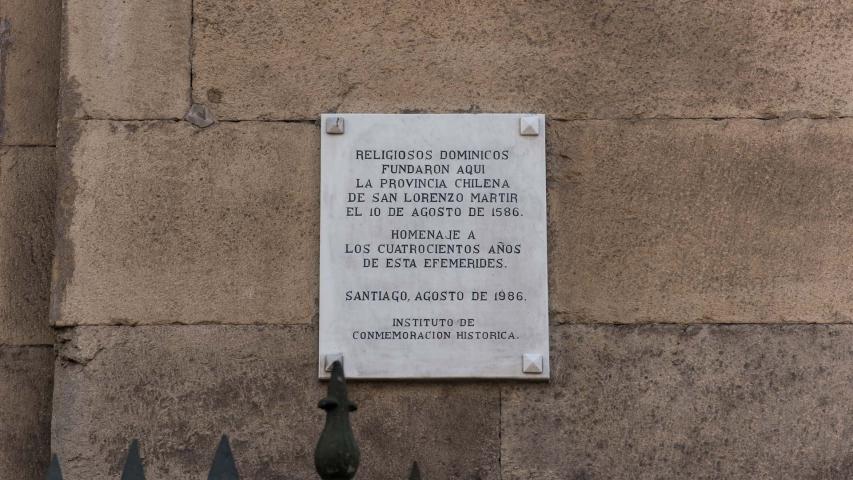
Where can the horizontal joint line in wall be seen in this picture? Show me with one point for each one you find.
(186, 324)
(289, 120)
(110, 119)
(638, 119)
(27, 145)
(701, 324)
(551, 118)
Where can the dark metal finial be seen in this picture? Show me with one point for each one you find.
(416, 472)
(133, 465)
(54, 472)
(337, 455)
(224, 467)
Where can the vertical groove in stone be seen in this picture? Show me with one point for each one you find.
(190, 98)
(26, 389)
(27, 200)
(29, 71)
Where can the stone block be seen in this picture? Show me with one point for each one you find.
(161, 222)
(29, 71)
(752, 402)
(178, 388)
(127, 60)
(701, 221)
(26, 387)
(293, 59)
(27, 197)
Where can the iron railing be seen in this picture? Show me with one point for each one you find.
(335, 458)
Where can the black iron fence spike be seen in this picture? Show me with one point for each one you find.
(337, 455)
(416, 472)
(53, 471)
(224, 466)
(133, 465)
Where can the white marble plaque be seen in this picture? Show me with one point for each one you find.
(433, 256)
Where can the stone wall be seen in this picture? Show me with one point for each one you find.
(29, 79)
(700, 226)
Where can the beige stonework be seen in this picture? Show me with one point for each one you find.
(29, 71)
(166, 223)
(736, 221)
(126, 59)
(293, 59)
(26, 379)
(27, 191)
(177, 388)
(752, 402)
(185, 283)
(29, 80)
(701, 221)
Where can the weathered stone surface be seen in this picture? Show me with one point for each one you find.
(295, 59)
(29, 71)
(701, 221)
(178, 388)
(27, 195)
(162, 222)
(699, 402)
(26, 380)
(651, 221)
(127, 60)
